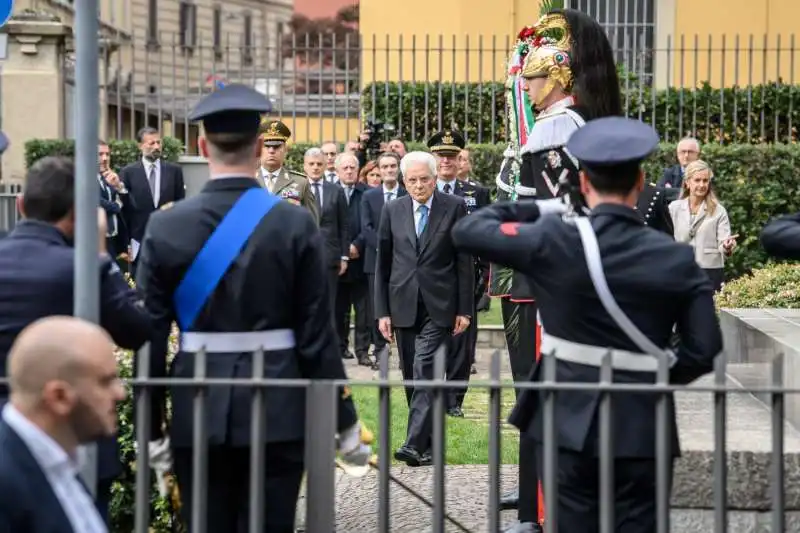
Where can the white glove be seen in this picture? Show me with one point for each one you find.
(351, 449)
(161, 463)
(552, 206)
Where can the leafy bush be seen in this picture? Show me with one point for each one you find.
(478, 109)
(776, 285)
(122, 152)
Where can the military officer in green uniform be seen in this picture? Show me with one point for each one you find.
(281, 181)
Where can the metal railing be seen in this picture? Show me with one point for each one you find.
(734, 88)
(321, 397)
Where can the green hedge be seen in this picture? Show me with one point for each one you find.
(773, 286)
(718, 115)
(754, 182)
(122, 152)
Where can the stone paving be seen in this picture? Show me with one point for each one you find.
(466, 486)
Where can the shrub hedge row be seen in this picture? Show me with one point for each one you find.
(755, 182)
(752, 115)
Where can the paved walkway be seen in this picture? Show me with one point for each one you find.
(466, 486)
(466, 496)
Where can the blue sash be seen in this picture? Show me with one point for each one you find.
(219, 252)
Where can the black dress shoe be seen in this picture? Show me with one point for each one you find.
(408, 455)
(510, 500)
(348, 355)
(426, 459)
(455, 412)
(364, 360)
(473, 370)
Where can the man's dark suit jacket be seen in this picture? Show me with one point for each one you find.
(372, 205)
(355, 268)
(432, 270)
(671, 181)
(27, 501)
(136, 210)
(37, 266)
(333, 223)
(108, 197)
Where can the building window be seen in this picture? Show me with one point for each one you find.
(217, 32)
(630, 26)
(187, 20)
(152, 23)
(247, 41)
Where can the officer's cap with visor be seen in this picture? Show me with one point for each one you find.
(446, 142)
(611, 143)
(234, 109)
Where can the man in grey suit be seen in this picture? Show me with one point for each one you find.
(423, 288)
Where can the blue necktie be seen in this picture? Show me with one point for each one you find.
(423, 219)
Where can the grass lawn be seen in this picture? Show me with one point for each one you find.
(467, 438)
(492, 317)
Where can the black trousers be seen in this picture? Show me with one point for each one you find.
(377, 339)
(460, 359)
(333, 288)
(417, 346)
(353, 294)
(579, 493)
(228, 486)
(521, 341)
(717, 276)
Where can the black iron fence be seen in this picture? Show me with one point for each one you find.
(729, 88)
(320, 447)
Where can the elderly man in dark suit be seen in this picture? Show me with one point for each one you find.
(423, 288)
(332, 209)
(152, 183)
(688, 150)
(373, 201)
(64, 390)
(352, 291)
(37, 269)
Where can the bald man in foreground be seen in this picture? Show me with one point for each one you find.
(64, 393)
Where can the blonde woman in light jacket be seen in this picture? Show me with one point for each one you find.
(700, 220)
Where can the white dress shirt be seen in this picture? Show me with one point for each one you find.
(321, 181)
(418, 214)
(392, 191)
(270, 177)
(440, 183)
(157, 185)
(61, 472)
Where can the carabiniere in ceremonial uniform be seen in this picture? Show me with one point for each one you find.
(599, 284)
(653, 207)
(236, 280)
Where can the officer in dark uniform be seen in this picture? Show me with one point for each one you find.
(446, 145)
(781, 237)
(653, 207)
(37, 279)
(262, 253)
(288, 184)
(536, 238)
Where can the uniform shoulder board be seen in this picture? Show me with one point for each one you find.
(295, 173)
(469, 193)
(652, 184)
(166, 206)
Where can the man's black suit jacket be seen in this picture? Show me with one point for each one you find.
(333, 223)
(28, 503)
(355, 237)
(372, 205)
(431, 269)
(136, 210)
